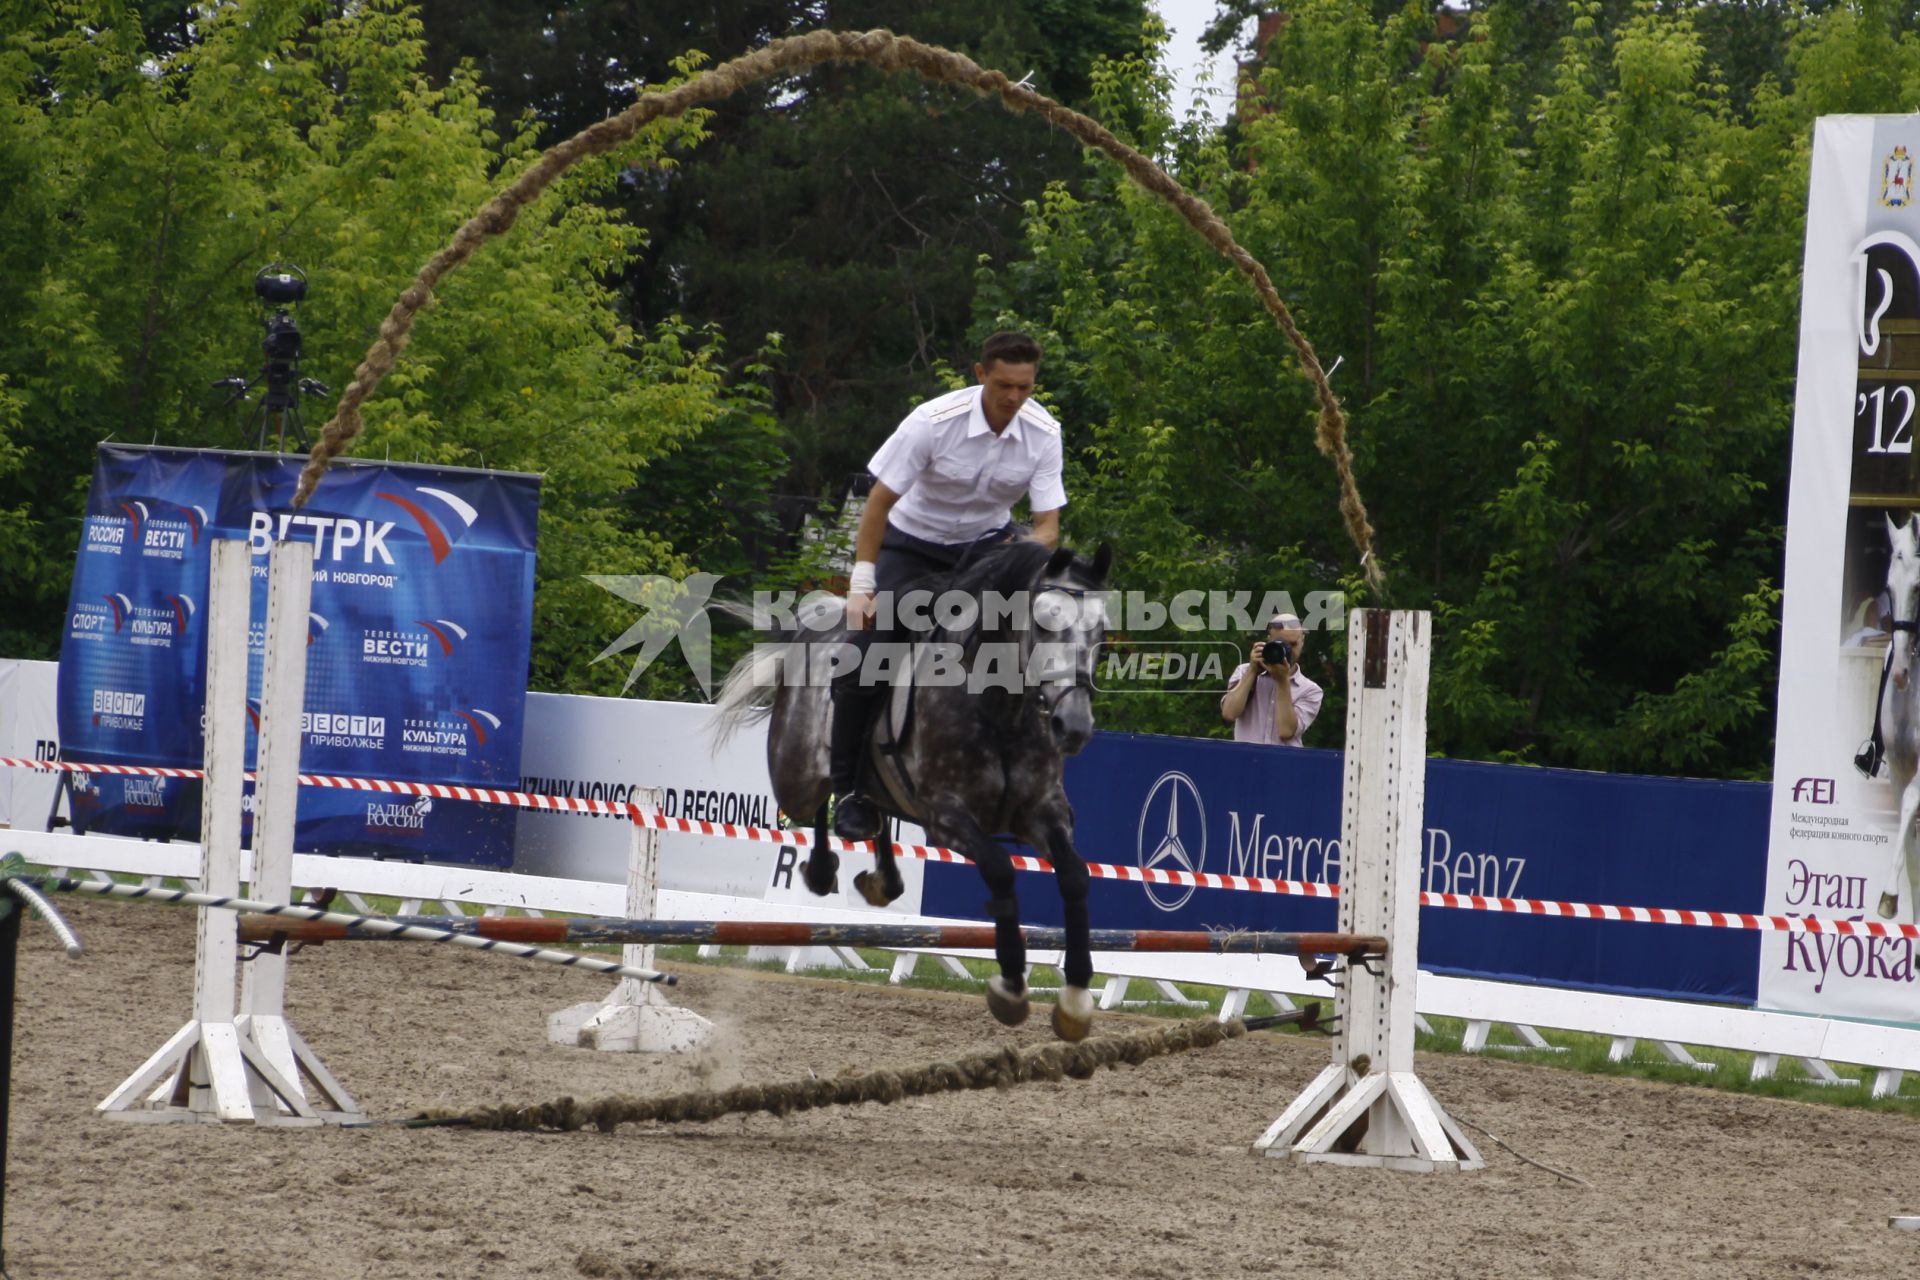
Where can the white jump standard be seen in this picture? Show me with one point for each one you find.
(635, 1017)
(214, 1068)
(1368, 1107)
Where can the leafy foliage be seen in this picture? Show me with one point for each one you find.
(1561, 282)
(151, 182)
(1551, 252)
(843, 209)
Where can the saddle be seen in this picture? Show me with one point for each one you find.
(883, 767)
(884, 761)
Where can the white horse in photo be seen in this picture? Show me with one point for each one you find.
(1900, 715)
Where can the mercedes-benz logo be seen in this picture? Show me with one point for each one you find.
(1173, 836)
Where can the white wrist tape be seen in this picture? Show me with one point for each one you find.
(862, 578)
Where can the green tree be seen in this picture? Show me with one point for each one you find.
(149, 183)
(843, 209)
(1563, 307)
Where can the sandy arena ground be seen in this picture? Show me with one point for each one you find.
(1139, 1173)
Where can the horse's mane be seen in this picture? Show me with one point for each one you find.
(1005, 568)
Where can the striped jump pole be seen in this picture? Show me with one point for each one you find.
(33, 898)
(282, 918)
(765, 933)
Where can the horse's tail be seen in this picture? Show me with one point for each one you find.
(748, 692)
(746, 695)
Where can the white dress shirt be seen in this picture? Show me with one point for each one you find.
(956, 479)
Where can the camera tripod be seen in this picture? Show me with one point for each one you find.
(280, 286)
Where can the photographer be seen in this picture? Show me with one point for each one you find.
(1252, 703)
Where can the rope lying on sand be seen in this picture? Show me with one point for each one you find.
(995, 1069)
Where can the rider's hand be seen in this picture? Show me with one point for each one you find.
(859, 610)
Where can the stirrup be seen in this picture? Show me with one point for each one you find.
(854, 817)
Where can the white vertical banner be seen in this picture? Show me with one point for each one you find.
(1835, 848)
(29, 730)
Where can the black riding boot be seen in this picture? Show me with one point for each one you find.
(854, 817)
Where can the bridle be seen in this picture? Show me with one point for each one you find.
(1050, 693)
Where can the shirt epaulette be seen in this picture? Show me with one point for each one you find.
(941, 408)
(1036, 413)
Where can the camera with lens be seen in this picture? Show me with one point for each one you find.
(1276, 653)
(283, 337)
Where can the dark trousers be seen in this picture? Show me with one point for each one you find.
(905, 563)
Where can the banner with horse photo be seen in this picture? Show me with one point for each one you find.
(1848, 734)
(418, 641)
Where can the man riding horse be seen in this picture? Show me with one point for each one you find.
(944, 485)
(1004, 694)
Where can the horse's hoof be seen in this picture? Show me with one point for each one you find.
(1889, 905)
(819, 872)
(1008, 1005)
(874, 889)
(1073, 1013)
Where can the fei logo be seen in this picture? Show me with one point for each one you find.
(1172, 836)
(1813, 790)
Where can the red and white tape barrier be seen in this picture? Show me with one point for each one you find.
(1099, 870)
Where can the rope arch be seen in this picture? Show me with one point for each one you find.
(889, 52)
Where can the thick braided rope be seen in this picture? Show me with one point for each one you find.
(797, 53)
(995, 1069)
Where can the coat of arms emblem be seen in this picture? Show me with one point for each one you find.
(1896, 179)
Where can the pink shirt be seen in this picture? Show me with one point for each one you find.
(1256, 719)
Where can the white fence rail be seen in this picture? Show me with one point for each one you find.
(1887, 1050)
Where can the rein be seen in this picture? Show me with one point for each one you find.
(1874, 750)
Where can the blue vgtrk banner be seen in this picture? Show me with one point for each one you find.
(418, 640)
(1186, 804)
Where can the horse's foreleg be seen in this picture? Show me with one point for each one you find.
(1903, 852)
(1073, 1014)
(952, 826)
(883, 884)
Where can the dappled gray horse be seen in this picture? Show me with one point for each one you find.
(998, 703)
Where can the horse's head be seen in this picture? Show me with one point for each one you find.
(1068, 623)
(1903, 595)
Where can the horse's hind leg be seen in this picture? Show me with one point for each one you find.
(1073, 1014)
